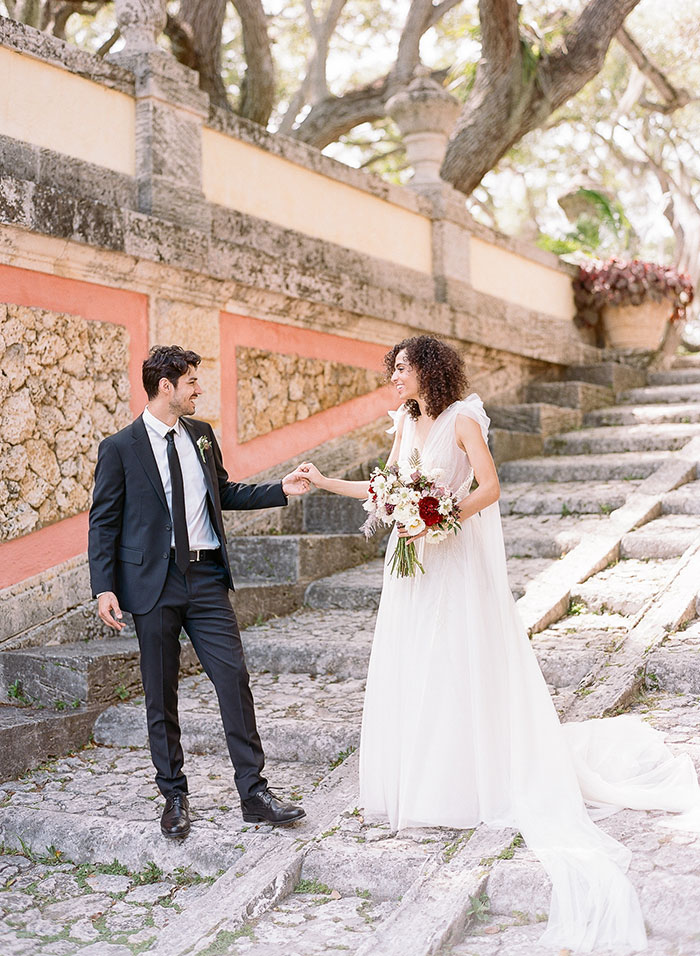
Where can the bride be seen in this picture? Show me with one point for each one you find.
(458, 726)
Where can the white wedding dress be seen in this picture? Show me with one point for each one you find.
(459, 727)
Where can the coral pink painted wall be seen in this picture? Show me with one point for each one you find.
(40, 550)
(247, 458)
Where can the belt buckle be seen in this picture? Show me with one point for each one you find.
(197, 555)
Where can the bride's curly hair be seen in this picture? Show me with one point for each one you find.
(442, 378)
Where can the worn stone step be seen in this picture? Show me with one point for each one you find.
(611, 374)
(672, 667)
(643, 415)
(588, 468)
(291, 558)
(521, 571)
(383, 869)
(583, 396)
(624, 587)
(31, 736)
(564, 497)
(88, 672)
(312, 642)
(675, 376)
(538, 417)
(661, 394)
(684, 500)
(545, 536)
(359, 587)
(506, 445)
(314, 923)
(324, 513)
(300, 718)
(666, 537)
(601, 441)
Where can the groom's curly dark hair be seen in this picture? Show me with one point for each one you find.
(442, 377)
(166, 361)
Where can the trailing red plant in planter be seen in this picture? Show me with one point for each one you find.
(617, 290)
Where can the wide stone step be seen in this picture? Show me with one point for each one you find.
(673, 666)
(564, 497)
(540, 418)
(588, 468)
(357, 588)
(324, 513)
(666, 537)
(291, 558)
(361, 587)
(576, 395)
(661, 394)
(301, 717)
(601, 441)
(684, 500)
(312, 642)
(89, 672)
(623, 588)
(611, 374)
(643, 415)
(545, 536)
(675, 376)
(29, 737)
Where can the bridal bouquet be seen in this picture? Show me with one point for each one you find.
(415, 498)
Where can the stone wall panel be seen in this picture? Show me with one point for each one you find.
(63, 387)
(276, 390)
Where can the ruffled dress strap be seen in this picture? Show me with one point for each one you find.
(396, 417)
(473, 407)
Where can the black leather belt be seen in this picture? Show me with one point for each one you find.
(200, 555)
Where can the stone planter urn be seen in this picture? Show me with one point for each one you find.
(425, 114)
(642, 327)
(141, 22)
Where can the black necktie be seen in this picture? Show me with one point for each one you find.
(182, 543)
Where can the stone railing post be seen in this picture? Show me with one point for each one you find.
(170, 112)
(425, 114)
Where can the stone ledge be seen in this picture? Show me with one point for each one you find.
(42, 46)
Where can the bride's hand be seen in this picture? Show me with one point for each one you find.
(404, 533)
(311, 472)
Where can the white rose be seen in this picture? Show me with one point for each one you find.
(415, 525)
(436, 534)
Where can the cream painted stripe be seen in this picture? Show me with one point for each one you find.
(522, 281)
(251, 180)
(50, 107)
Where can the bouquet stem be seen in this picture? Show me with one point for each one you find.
(405, 563)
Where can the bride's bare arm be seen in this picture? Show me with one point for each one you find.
(339, 486)
(471, 441)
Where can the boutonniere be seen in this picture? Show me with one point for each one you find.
(204, 445)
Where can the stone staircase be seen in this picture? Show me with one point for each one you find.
(602, 529)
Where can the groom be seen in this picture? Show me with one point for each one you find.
(157, 548)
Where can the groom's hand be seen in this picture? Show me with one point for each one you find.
(109, 610)
(295, 483)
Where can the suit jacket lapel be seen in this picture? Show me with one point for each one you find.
(205, 458)
(144, 452)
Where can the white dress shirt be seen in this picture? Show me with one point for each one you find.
(200, 532)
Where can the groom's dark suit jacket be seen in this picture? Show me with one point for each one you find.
(130, 524)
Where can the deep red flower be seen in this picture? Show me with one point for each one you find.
(428, 510)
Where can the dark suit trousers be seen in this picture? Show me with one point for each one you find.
(198, 603)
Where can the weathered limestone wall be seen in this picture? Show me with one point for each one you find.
(276, 390)
(64, 387)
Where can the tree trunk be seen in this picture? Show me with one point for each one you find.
(514, 92)
(258, 84)
(200, 23)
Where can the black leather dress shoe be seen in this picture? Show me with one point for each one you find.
(265, 807)
(175, 822)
